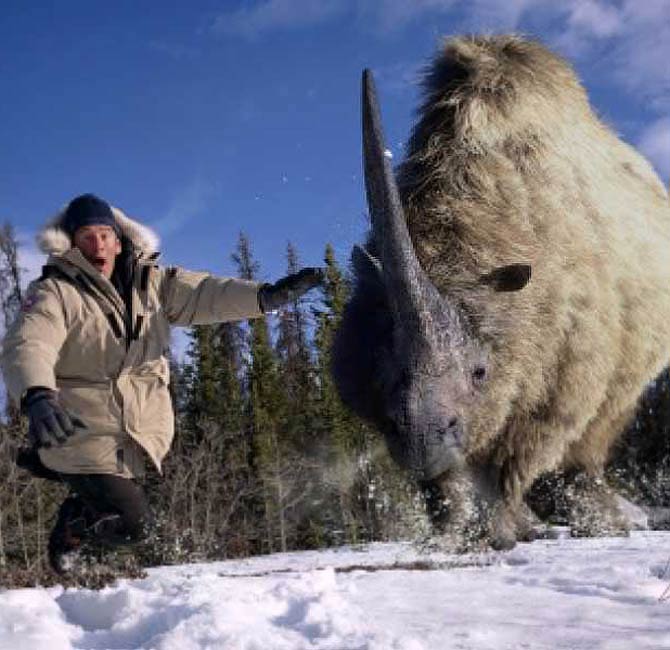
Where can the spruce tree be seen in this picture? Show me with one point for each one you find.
(27, 504)
(207, 472)
(340, 431)
(300, 442)
(334, 297)
(370, 496)
(265, 407)
(295, 365)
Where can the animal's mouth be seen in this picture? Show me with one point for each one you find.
(426, 456)
(447, 458)
(444, 450)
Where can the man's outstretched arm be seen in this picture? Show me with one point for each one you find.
(191, 298)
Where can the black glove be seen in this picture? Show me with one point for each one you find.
(49, 423)
(272, 296)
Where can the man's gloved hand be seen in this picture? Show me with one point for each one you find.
(272, 296)
(49, 423)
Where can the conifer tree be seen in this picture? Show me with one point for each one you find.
(265, 407)
(339, 429)
(300, 442)
(26, 503)
(202, 387)
(207, 470)
(335, 293)
(10, 297)
(371, 498)
(10, 274)
(295, 365)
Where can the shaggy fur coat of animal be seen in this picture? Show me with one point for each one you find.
(508, 164)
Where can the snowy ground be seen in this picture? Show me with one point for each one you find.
(559, 594)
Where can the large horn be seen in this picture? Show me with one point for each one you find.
(402, 272)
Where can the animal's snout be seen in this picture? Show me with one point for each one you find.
(451, 434)
(443, 449)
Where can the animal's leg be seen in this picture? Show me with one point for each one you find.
(592, 450)
(591, 505)
(459, 509)
(532, 446)
(527, 524)
(467, 510)
(506, 514)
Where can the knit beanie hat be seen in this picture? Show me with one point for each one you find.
(88, 210)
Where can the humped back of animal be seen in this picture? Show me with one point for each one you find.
(509, 164)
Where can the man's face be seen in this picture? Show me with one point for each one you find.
(100, 246)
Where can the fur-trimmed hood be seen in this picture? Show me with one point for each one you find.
(53, 240)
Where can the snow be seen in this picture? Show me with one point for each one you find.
(552, 594)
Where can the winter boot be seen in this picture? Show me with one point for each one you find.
(65, 541)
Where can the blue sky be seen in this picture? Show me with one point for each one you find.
(206, 118)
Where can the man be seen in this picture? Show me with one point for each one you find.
(87, 360)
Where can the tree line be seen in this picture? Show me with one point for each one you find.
(265, 457)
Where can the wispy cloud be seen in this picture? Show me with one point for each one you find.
(594, 18)
(186, 204)
(271, 15)
(629, 40)
(398, 77)
(654, 143)
(391, 15)
(382, 16)
(174, 51)
(497, 16)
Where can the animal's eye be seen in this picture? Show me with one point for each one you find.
(478, 375)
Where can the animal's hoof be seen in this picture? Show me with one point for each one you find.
(503, 543)
(528, 526)
(529, 535)
(595, 509)
(503, 527)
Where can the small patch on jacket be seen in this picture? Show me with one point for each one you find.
(119, 460)
(29, 302)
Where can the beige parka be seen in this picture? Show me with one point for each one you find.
(73, 335)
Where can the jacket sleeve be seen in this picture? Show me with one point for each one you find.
(32, 344)
(192, 298)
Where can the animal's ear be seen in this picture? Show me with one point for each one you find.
(508, 278)
(365, 265)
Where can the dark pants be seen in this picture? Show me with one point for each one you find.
(115, 509)
(109, 509)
